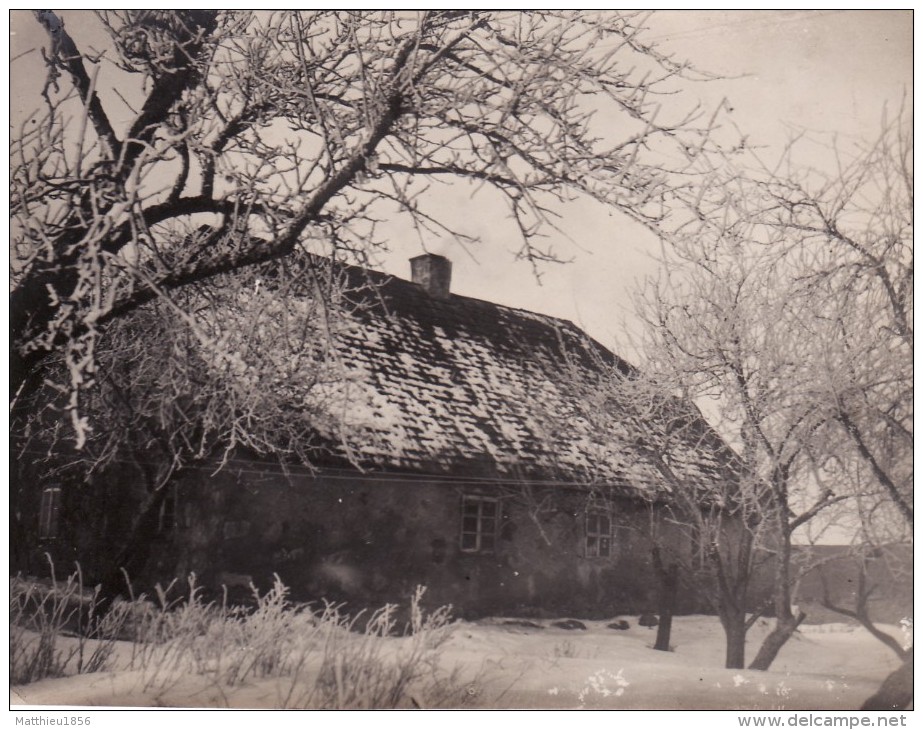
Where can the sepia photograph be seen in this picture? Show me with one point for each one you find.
(462, 360)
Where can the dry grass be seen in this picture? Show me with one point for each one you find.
(314, 657)
(41, 614)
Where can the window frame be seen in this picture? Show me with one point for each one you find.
(49, 513)
(596, 542)
(481, 530)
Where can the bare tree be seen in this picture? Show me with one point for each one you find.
(786, 301)
(851, 235)
(866, 586)
(650, 441)
(708, 497)
(248, 362)
(721, 330)
(296, 125)
(869, 579)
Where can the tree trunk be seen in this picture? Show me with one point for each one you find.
(669, 587)
(861, 615)
(861, 611)
(896, 692)
(886, 639)
(735, 634)
(772, 644)
(786, 622)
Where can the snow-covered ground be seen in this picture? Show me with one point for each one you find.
(513, 665)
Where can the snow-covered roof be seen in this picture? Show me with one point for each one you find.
(462, 386)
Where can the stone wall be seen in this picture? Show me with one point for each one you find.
(363, 539)
(370, 540)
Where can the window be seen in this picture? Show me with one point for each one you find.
(49, 513)
(480, 517)
(598, 534)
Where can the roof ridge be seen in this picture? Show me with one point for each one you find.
(548, 319)
(453, 294)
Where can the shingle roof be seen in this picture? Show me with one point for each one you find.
(464, 386)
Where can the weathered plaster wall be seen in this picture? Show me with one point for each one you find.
(94, 519)
(367, 541)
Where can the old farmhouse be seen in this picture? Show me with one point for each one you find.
(473, 460)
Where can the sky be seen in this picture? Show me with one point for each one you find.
(826, 72)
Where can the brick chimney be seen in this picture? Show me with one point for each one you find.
(433, 273)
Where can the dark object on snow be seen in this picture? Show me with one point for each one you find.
(896, 692)
(647, 619)
(621, 625)
(570, 624)
(522, 622)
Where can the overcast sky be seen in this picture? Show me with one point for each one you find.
(823, 71)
